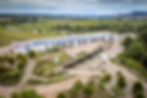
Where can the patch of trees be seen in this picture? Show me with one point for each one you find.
(135, 54)
(11, 69)
(97, 88)
(9, 75)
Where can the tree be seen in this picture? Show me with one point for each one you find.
(121, 81)
(21, 65)
(61, 95)
(9, 75)
(142, 35)
(138, 90)
(139, 50)
(144, 60)
(127, 42)
(32, 54)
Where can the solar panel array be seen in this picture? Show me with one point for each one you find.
(44, 44)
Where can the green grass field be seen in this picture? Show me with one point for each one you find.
(46, 27)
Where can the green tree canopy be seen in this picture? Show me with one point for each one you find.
(26, 94)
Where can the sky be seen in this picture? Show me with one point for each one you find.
(72, 7)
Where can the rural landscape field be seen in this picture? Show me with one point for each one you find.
(73, 49)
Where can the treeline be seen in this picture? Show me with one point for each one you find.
(6, 20)
(72, 25)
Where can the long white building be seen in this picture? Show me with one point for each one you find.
(45, 44)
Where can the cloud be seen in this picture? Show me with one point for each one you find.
(73, 6)
(68, 2)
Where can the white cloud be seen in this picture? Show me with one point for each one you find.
(76, 6)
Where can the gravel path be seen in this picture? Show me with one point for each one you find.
(27, 74)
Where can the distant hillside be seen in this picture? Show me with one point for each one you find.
(132, 15)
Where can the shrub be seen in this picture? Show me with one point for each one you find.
(2, 69)
(144, 60)
(139, 95)
(26, 94)
(73, 93)
(12, 77)
(121, 81)
(54, 49)
(138, 90)
(78, 85)
(132, 63)
(88, 91)
(2, 97)
(11, 60)
(136, 66)
(1, 59)
(35, 81)
(122, 58)
(21, 61)
(117, 92)
(21, 65)
(15, 95)
(106, 78)
(142, 36)
(22, 58)
(75, 89)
